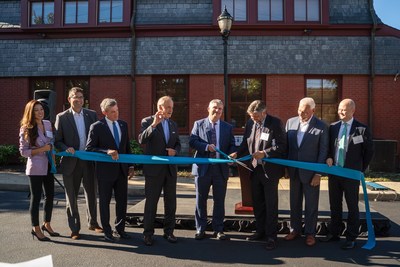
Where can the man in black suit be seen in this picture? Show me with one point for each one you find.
(307, 141)
(110, 136)
(160, 135)
(207, 135)
(264, 137)
(72, 128)
(350, 146)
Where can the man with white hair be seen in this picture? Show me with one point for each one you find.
(307, 141)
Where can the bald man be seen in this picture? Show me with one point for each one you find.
(350, 146)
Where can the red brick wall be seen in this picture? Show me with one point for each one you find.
(386, 109)
(144, 100)
(356, 88)
(14, 94)
(283, 93)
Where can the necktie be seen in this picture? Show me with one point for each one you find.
(116, 134)
(256, 143)
(166, 130)
(342, 146)
(213, 133)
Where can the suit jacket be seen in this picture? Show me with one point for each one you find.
(155, 142)
(358, 154)
(101, 139)
(201, 137)
(38, 164)
(313, 148)
(273, 129)
(67, 135)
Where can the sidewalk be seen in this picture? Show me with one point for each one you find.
(18, 181)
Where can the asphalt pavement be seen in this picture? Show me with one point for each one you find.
(92, 250)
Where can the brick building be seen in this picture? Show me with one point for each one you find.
(136, 51)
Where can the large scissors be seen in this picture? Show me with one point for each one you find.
(234, 160)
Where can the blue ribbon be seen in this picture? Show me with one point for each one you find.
(317, 167)
(50, 154)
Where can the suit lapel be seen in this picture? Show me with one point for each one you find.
(87, 121)
(70, 118)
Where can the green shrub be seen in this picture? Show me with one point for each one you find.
(7, 152)
(135, 147)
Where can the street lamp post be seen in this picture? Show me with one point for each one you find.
(225, 23)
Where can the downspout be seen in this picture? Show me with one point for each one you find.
(372, 65)
(133, 68)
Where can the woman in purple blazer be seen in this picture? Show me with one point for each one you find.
(35, 140)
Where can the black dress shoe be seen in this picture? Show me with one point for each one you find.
(122, 234)
(256, 236)
(148, 240)
(109, 238)
(200, 235)
(50, 233)
(349, 245)
(271, 244)
(170, 238)
(220, 236)
(329, 238)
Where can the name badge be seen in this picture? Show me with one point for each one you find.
(358, 139)
(264, 136)
(49, 134)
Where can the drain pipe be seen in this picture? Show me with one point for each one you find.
(133, 72)
(372, 65)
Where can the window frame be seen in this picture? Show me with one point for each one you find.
(59, 15)
(320, 105)
(228, 118)
(155, 78)
(76, 12)
(288, 14)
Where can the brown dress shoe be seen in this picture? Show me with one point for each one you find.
(292, 236)
(96, 228)
(75, 235)
(310, 240)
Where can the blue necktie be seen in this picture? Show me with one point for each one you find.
(213, 133)
(342, 146)
(166, 130)
(116, 134)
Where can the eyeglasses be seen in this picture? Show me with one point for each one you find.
(76, 97)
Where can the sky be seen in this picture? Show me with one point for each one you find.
(389, 12)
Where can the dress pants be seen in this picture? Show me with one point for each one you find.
(83, 173)
(265, 202)
(350, 188)
(311, 197)
(37, 183)
(153, 186)
(118, 184)
(215, 179)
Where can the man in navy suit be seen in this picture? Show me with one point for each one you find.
(160, 135)
(307, 141)
(110, 136)
(207, 135)
(264, 137)
(355, 140)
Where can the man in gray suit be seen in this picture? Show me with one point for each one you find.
(307, 141)
(160, 135)
(72, 128)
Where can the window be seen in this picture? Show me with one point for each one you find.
(237, 9)
(177, 88)
(110, 11)
(79, 82)
(243, 90)
(76, 12)
(306, 10)
(325, 94)
(42, 12)
(40, 84)
(270, 10)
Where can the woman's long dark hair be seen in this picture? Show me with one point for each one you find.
(28, 121)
